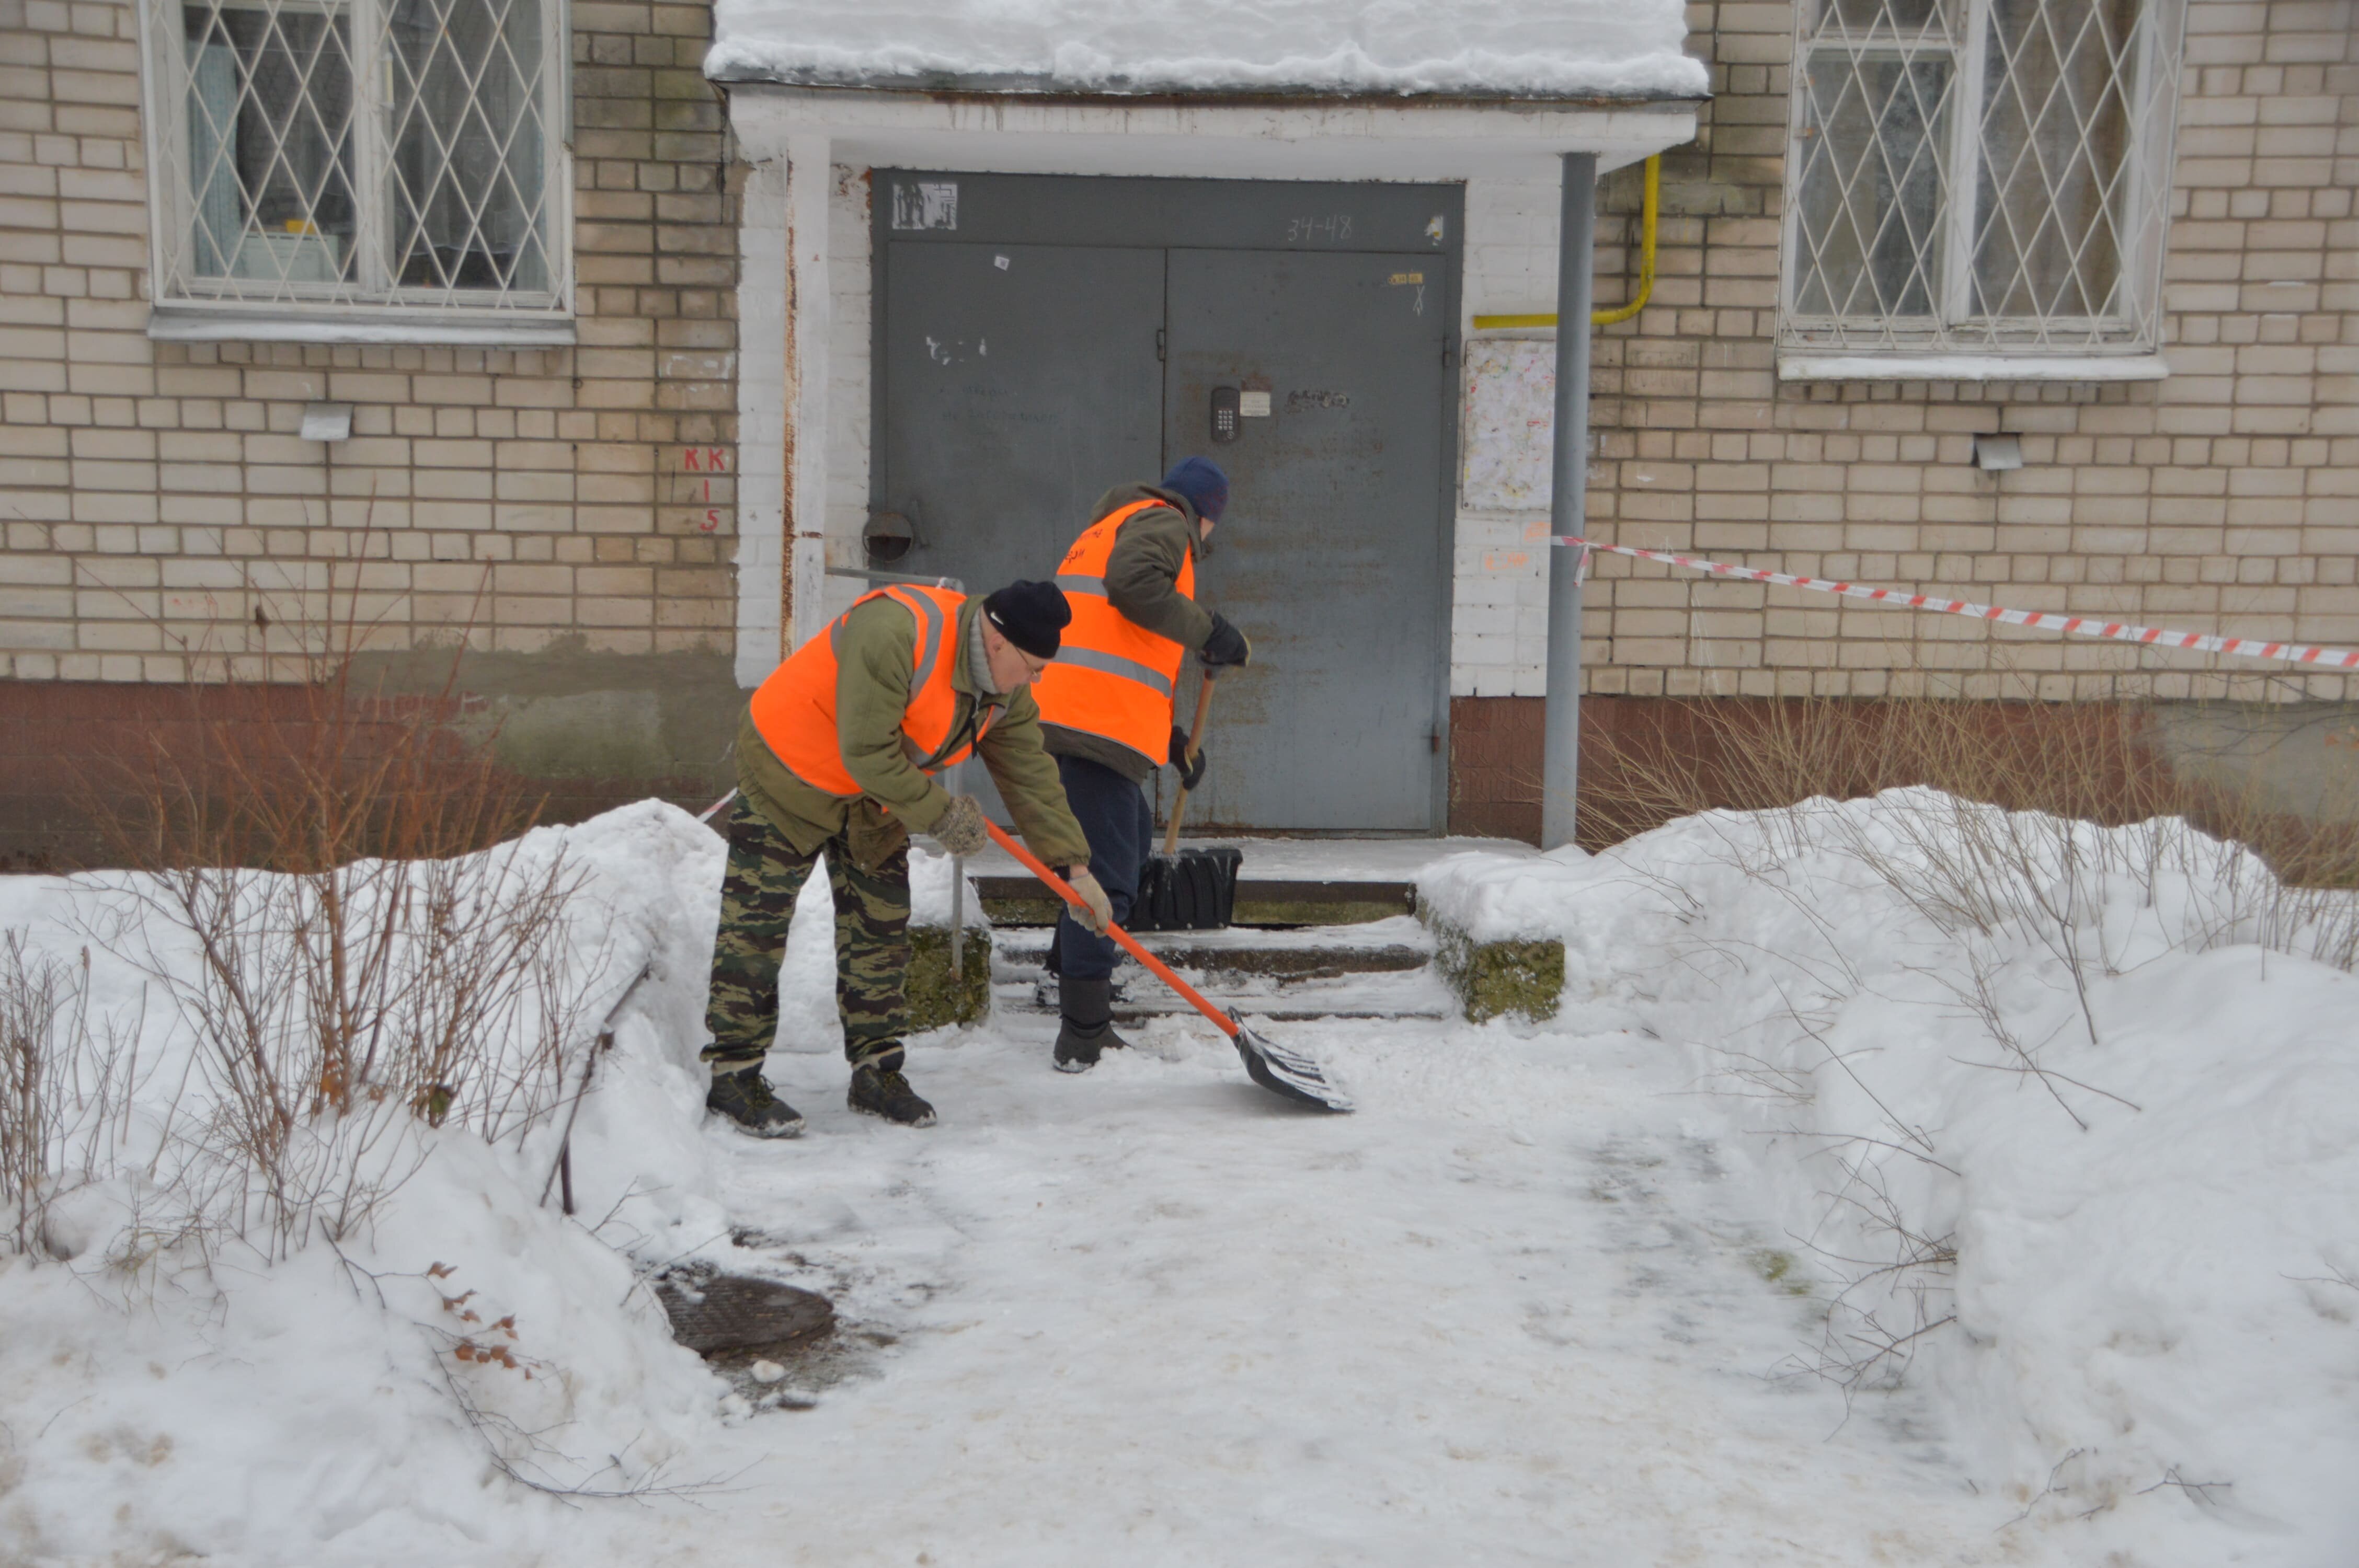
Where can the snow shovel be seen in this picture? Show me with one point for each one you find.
(1192, 890)
(1274, 1067)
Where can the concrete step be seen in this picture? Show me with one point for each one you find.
(1265, 902)
(1282, 883)
(1375, 969)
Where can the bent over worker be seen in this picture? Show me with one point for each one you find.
(835, 756)
(1106, 707)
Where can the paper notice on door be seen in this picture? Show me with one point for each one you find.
(925, 204)
(1252, 404)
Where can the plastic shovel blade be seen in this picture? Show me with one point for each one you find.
(1283, 1072)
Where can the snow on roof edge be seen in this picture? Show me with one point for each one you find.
(734, 64)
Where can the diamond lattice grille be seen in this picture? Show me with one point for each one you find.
(1979, 174)
(360, 152)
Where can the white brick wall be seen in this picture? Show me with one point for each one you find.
(850, 248)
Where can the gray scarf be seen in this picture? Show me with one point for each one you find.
(978, 658)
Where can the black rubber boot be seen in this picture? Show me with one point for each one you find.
(879, 1089)
(744, 1098)
(1088, 1026)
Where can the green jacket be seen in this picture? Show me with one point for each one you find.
(1142, 578)
(874, 662)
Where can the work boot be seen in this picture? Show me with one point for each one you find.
(881, 1090)
(744, 1097)
(1087, 1027)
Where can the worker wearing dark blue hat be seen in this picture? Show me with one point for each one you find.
(1106, 706)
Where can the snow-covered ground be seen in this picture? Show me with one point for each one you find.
(1545, 1298)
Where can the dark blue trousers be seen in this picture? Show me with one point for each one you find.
(1120, 826)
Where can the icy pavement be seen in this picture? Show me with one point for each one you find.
(1511, 1311)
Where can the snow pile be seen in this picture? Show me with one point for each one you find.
(2058, 1119)
(1571, 48)
(2030, 1140)
(169, 1385)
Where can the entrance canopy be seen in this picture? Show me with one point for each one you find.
(879, 257)
(1564, 49)
(1220, 89)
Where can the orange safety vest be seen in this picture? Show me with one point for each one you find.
(794, 710)
(1112, 678)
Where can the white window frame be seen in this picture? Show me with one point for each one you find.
(1951, 343)
(372, 308)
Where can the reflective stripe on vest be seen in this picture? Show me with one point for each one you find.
(1113, 677)
(794, 710)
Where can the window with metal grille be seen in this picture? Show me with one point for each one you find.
(326, 161)
(1979, 176)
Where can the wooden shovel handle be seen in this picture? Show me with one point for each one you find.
(1195, 748)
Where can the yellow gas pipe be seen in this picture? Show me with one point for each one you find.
(1645, 268)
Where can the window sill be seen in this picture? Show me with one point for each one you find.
(197, 324)
(1970, 367)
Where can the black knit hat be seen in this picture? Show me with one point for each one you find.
(1032, 615)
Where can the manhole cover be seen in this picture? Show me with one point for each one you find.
(732, 1311)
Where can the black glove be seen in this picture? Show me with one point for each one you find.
(1225, 646)
(1190, 774)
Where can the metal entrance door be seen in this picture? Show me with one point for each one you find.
(1022, 376)
(1042, 338)
(1328, 558)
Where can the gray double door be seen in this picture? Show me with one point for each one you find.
(1042, 340)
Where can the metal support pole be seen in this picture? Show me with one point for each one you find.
(1568, 500)
(958, 900)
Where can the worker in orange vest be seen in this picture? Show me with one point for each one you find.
(836, 755)
(1106, 713)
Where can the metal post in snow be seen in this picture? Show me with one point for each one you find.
(1568, 500)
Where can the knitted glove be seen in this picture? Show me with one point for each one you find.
(1099, 915)
(959, 832)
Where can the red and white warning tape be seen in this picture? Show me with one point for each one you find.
(1892, 598)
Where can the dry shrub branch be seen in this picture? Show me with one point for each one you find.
(335, 896)
(2100, 859)
(66, 1115)
(2092, 761)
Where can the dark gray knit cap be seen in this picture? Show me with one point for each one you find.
(1032, 615)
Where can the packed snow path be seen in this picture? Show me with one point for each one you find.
(1508, 1312)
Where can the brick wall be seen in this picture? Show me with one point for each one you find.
(2227, 496)
(568, 512)
(158, 498)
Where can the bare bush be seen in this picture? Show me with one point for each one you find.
(36, 993)
(336, 1010)
(66, 1090)
(337, 901)
(2051, 767)
(2051, 830)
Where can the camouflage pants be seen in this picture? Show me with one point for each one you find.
(757, 902)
